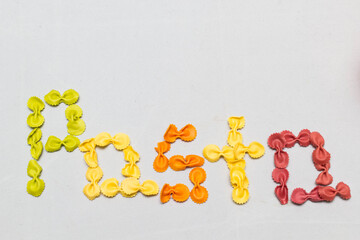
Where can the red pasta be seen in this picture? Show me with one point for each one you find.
(320, 155)
(328, 193)
(299, 195)
(277, 142)
(303, 138)
(324, 177)
(281, 191)
(321, 160)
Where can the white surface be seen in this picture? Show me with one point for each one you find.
(141, 65)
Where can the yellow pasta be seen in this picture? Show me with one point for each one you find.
(255, 150)
(120, 140)
(36, 145)
(35, 119)
(36, 185)
(54, 97)
(213, 153)
(131, 169)
(54, 144)
(92, 190)
(131, 186)
(90, 156)
(235, 123)
(76, 126)
(110, 187)
(240, 183)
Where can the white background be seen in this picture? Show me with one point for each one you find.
(141, 65)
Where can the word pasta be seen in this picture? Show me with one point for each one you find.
(234, 153)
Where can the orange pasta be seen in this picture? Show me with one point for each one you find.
(187, 133)
(198, 194)
(178, 162)
(179, 193)
(161, 162)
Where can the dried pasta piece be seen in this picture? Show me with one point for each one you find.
(36, 185)
(236, 163)
(303, 138)
(161, 162)
(110, 188)
(240, 183)
(213, 153)
(131, 169)
(320, 155)
(76, 126)
(35, 119)
(324, 177)
(255, 150)
(36, 145)
(120, 140)
(281, 176)
(198, 194)
(235, 123)
(300, 196)
(54, 97)
(179, 163)
(277, 142)
(90, 156)
(131, 186)
(179, 193)
(54, 144)
(328, 193)
(92, 190)
(187, 133)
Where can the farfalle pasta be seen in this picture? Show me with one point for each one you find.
(131, 186)
(76, 126)
(110, 188)
(255, 150)
(36, 185)
(235, 124)
(179, 192)
(179, 163)
(303, 138)
(120, 140)
(54, 97)
(213, 153)
(328, 193)
(321, 160)
(36, 145)
(90, 156)
(277, 142)
(281, 176)
(234, 156)
(131, 169)
(161, 162)
(240, 183)
(198, 194)
(300, 196)
(231, 163)
(187, 133)
(320, 155)
(324, 177)
(54, 144)
(92, 190)
(35, 119)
